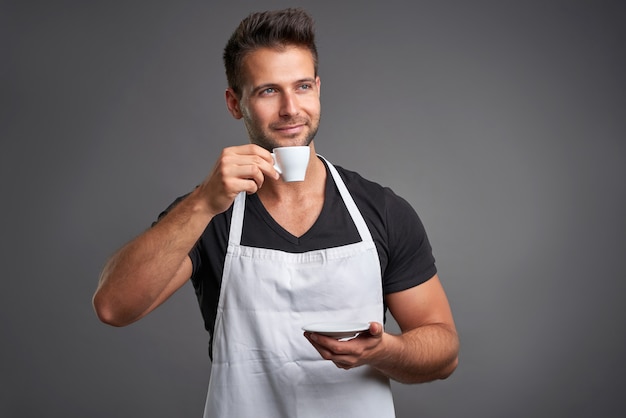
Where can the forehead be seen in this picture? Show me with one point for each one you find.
(278, 66)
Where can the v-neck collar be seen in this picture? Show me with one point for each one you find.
(257, 205)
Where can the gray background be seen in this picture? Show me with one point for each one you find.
(502, 123)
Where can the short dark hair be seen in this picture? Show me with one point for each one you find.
(272, 29)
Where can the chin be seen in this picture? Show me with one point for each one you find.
(271, 143)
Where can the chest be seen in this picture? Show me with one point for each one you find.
(296, 218)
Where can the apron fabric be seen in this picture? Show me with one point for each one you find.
(262, 364)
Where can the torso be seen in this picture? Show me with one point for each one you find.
(266, 297)
(403, 249)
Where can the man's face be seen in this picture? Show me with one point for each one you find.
(280, 98)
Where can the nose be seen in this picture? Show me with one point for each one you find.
(289, 105)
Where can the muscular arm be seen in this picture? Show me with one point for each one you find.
(428, 347)
(149, 269)
(426, 350)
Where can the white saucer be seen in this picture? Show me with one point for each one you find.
(339, 330)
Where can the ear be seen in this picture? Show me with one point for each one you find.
(232, 103)
(319, 84)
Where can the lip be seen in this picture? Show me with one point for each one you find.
(293, 129)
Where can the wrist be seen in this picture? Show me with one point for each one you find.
(199, 204)
(383, 352)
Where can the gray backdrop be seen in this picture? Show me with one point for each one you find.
(501, 122)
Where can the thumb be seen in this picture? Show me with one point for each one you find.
(376, 329)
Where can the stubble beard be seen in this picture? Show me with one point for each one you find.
(264, 139)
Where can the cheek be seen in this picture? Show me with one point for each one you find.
(312, 104)
(249, 114)
(260, 113)
(265, 114)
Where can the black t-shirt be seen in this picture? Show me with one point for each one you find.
(404, 251)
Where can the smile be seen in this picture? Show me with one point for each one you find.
(290, 129)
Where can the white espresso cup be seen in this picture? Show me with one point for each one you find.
(291, 162)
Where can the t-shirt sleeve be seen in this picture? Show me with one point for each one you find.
(169, 208)
(411, 261)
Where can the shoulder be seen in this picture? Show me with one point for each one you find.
(355, 179)
(404, 249)
(359, 186)
(373, 197)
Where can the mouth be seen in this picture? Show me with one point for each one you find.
(289, 129)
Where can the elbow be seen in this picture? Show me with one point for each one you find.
(106, 312)
(452, 363)
(449, 369)
(453, 359)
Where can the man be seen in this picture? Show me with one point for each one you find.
(267, 257)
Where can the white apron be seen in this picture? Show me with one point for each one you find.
(262, 364)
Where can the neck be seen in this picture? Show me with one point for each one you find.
(296, 206)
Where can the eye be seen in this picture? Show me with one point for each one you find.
(268, 91)
(306, 86)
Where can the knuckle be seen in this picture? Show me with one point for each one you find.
(226, 152)
(340, 349)
(255, 171)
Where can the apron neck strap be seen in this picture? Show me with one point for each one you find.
(236, 223)
(357, 218)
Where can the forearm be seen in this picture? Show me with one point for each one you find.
(420, 355)
(134, 279)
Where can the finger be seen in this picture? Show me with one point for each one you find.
(376, 329)
(267, 163)
(256, 156)
(344, 361)
(327, 343)
(248, 172)
(321, 349)
(254, 166)
(342, 365)
(267, 168)
(235, 179)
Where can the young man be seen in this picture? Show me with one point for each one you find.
(267, 257)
